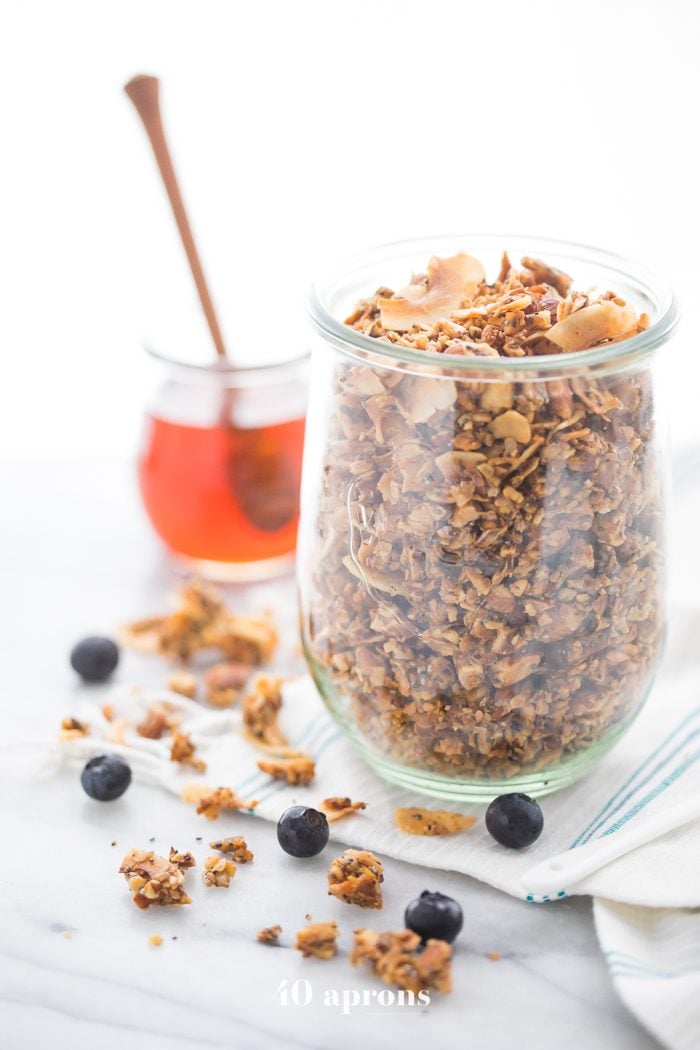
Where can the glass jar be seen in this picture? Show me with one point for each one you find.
(482, 603)
(220, 465)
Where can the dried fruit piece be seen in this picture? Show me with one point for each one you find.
(302, 831)
(448, 283)
(356, 878)
(94, 658)
(318, 940)
(153, 879)
(416, 821)
(105, 777)
(434, 915)
(210, 801)
(236, 848)
(400, 958)
(299, 769)
(340, 806)
(218, 871)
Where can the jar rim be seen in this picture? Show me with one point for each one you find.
(357, 344)
(228, 369)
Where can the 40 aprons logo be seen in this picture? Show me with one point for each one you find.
(301, 993)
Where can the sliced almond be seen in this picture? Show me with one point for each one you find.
(450, 282)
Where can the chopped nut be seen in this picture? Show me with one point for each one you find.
(356, 877)
(299, 770)
(493, 956)
(270, 935)
(400, 958)
(155, 940)
(318, 939)
(183, 861)
(236, 847)
(223, 683)
(183, 683)
(261, 710)
(203, 622)
(513, 425)
(218, 871)
(183, 751)
(210, 801)
(71, 728)
(338, 807)
(153, 879)
(416, 821)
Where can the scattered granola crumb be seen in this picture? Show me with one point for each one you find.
(236, 848)
(494, 956)
(299, 770)
(108, 712)
(356, 877)
(153, 879)
(68, 934)
(183, 861)
(182, 750)
(115, 843)
(318, 940)
(218, 871)
(223, 683)
(308, 917)
(155, 723)
(399, 958)
(416, 821)
(211, 800)
(270, 935)
(261, 710)
(203, 622)
(183, 683)
(155, 940)
(71, 728)
(340, 806)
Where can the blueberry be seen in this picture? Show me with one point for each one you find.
(514, 820)
(302, 831)
(105, 777)
(94, 658)
(434, 915)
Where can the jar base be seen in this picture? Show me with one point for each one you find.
(234, 571)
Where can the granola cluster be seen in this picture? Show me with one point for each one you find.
(487, 579)
(356, 877)
(155, 880)
(399, 958)
(318, 939)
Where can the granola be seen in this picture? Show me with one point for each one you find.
(155, 723)
(210, 801)
(318, 939)
(223, 683)
(399, 958)
(153, 879)
(261, 710)
(182, 750)
(340, 806)
(236, 848)
(416, 821)
(72, 728)
(203, 622)
(270, 935)
(296, 770)
(486, 594)
(356, 878)
(183, 683)
(218, 871)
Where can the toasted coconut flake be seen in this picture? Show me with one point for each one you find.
(210, 801)
(416, 821)
(299, 770)
(605, 320)
(450, 281)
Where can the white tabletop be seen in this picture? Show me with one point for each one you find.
(76, 967)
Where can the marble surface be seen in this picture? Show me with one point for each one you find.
(76, 967)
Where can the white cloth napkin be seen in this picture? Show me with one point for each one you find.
(643, 900)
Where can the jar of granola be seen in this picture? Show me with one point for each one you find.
(481, 545)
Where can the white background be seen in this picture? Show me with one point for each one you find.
(303, 131)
